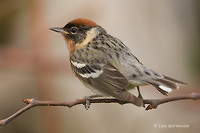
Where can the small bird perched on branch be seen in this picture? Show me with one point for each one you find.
(105, 65)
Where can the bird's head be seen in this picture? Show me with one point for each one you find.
(78, 32)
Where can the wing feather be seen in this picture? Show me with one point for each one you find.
(110, 81)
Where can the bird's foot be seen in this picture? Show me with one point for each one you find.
(87, 100)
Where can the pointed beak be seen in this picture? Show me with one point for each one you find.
(60, 30)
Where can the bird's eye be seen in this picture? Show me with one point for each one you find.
(74, 30)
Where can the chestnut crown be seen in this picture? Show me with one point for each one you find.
(76, 30)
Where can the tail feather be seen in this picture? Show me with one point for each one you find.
(174, 80)
(160, 89)
(166, 85)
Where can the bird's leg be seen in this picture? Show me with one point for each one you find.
(140, 95)
(87, 100)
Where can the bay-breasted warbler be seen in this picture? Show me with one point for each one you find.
(106, 65)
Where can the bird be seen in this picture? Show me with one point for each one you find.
(105, 65)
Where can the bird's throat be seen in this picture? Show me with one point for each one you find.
(70, 45)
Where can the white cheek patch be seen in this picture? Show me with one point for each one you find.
(167, 89)
(95, 74)
(78, 65)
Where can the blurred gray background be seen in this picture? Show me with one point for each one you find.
(163, 34)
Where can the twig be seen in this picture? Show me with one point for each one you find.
(152, 103)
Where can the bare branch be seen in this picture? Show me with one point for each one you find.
(152, 103)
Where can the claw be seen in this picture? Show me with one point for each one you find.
(87, 100)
